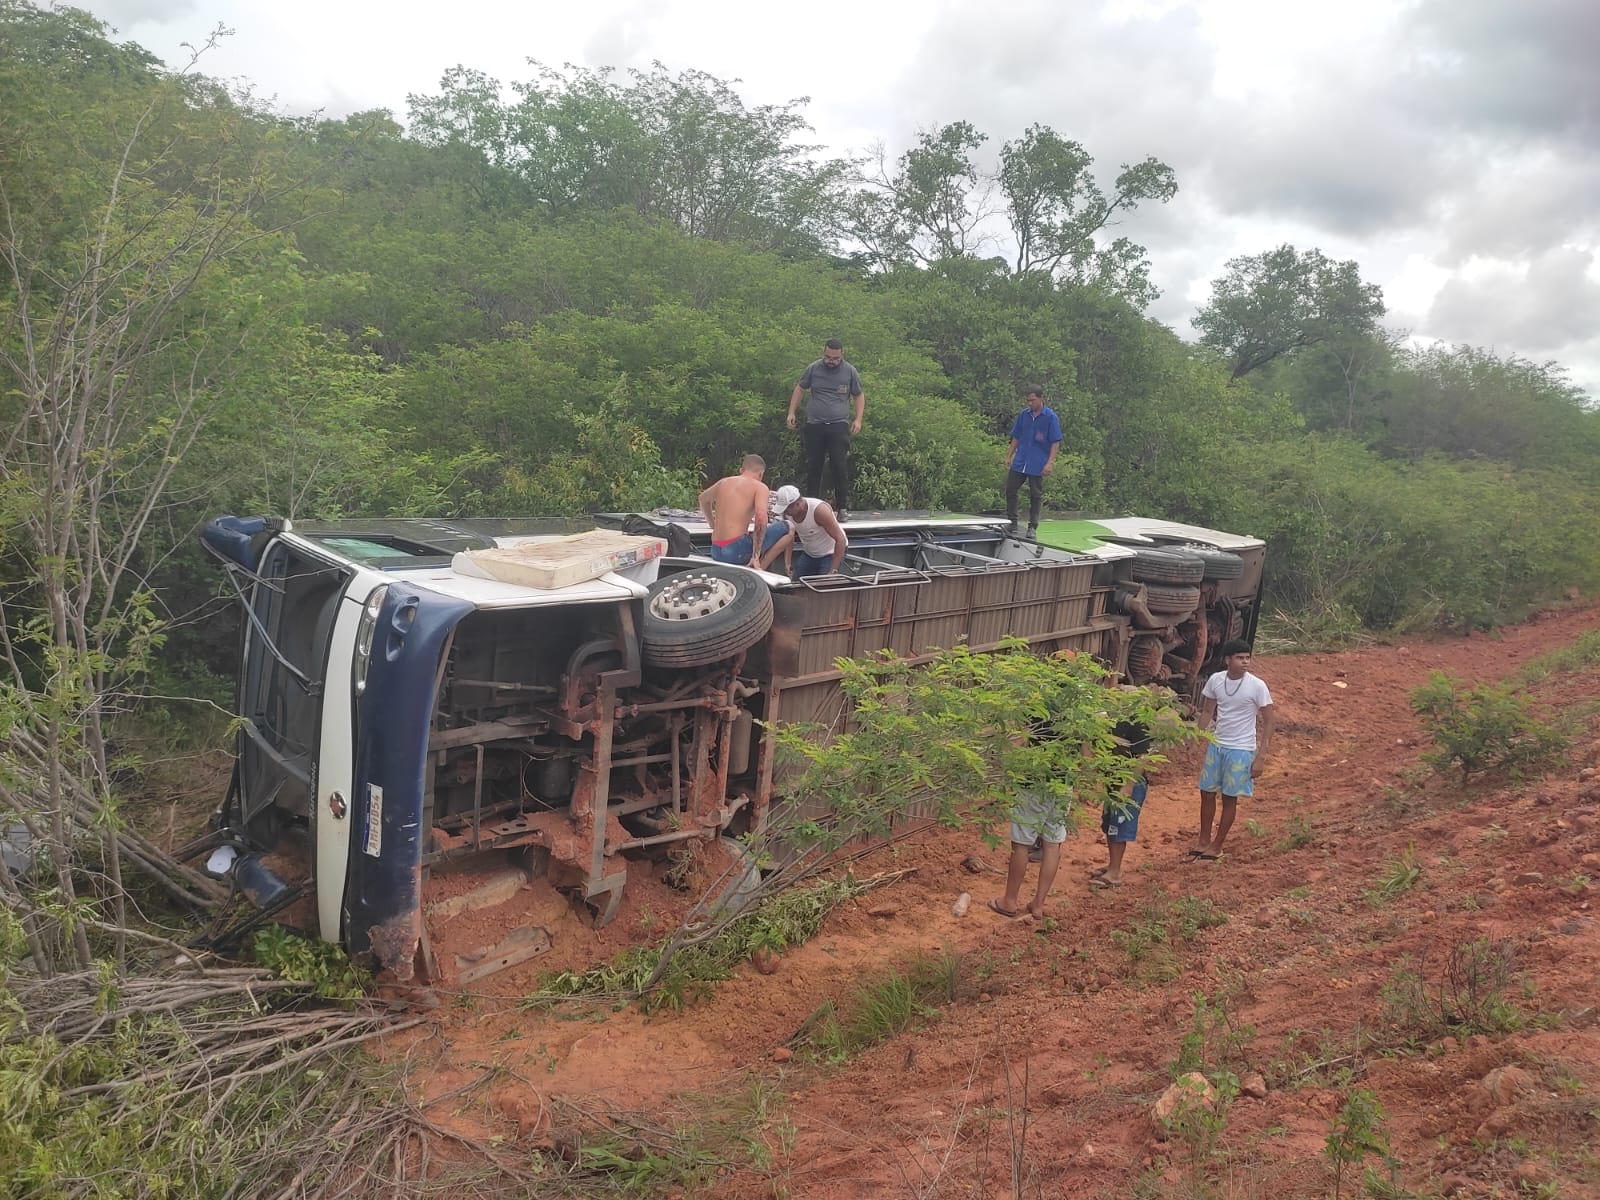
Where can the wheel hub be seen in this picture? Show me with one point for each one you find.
(692, 596)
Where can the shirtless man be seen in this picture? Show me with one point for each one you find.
(731, 505)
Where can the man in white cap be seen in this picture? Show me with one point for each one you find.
(814, 528)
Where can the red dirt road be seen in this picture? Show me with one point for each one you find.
(1061, 1009)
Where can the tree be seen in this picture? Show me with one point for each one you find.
(1471, 403)
(1056, 207)
(138, 291)
(1344, 383)
(1269, 305)
(938, 205)
(480, 137)
(932, 207)
(724, 171)
(681, 147)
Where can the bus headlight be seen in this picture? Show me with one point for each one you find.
(364, 635)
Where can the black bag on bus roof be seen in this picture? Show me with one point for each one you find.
(678, 543)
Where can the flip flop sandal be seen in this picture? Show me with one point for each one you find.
(1008, 913)
(1108, 884)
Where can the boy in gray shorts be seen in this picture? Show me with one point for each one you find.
(1033, 817)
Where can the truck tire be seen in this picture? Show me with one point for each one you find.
(1219, 563)
(1166, 566)
(703, 615)
(1171, 599)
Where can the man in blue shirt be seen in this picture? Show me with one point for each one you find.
(1035, 438)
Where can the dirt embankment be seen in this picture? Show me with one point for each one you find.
(1089, 1010)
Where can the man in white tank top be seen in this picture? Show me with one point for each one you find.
(814, 531)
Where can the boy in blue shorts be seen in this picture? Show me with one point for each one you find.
(1119, 815)
(1238, 711)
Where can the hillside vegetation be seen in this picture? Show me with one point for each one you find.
(597, 292)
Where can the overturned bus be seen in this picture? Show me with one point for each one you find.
(561, 697)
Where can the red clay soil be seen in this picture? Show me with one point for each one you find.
(1059, 1039)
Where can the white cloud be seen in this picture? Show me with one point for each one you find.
(1413, 288)
(1535, 308)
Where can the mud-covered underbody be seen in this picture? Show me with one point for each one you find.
(563, 772)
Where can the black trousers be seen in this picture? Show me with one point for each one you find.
(830, 440)
(1035, 495)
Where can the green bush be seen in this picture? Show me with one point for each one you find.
(1487, 727)
(1434, 543)
(1215, 1040)
(323, 965)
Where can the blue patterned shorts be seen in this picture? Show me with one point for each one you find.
(1227, 771)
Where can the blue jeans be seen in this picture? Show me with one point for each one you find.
(1119, 817)
(807, 565)
(740, 551)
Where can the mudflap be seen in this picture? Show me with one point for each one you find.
(605, 898)
(427, 964)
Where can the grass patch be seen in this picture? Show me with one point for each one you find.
(1191, 915)
(1151, 939)
(1298, 832)
(1399, 875)
(1151, 958)
(1580, 655)
(646, 1154)
(877, 1011)
(682, 1154)
(1324, 626)
(789, 918)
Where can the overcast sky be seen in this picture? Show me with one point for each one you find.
(1450, 147)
